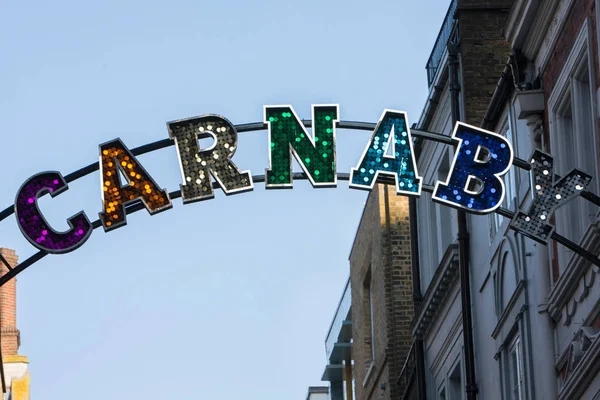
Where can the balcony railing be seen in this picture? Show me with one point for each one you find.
(440, 44)
(341, 315)
(407, 375)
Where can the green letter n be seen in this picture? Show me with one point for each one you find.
(315, 154)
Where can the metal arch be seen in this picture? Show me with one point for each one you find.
(259, 126)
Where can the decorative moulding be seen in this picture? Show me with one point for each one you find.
(577, 278)
(436, 296)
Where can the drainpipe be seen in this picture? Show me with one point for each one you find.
(417, 296)
(463, 242)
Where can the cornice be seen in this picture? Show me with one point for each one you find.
(579, 379)
(446, 276)
(514, 21)
(552, 18)
(574, 276)
(15, 359)
(539, 28)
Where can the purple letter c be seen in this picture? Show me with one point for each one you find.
(34, 226)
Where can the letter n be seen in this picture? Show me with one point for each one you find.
(315, 154)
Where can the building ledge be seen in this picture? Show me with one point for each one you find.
(15, 359)
(333, 373)
(436, 296)
(574, 276)
(341, 352)
(582, 375)
(510, 308)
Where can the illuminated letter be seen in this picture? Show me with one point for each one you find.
(115, 159)
(474, 183)
(547, 197)
(287, 135)
(198, 165)
(33, 224)
(390, 152)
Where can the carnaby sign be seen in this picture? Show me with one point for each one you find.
(474, 182)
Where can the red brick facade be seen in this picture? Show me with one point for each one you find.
(8, 308)
(580, 11)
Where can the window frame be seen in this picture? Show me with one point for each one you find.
(516, 347)
(566, 95)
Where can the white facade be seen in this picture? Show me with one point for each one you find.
(535, 308)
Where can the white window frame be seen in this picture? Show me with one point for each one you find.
(566, 90)
(515, 346)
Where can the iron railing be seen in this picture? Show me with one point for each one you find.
(439, 48)
(408, 373)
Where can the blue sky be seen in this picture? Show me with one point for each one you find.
(224, 299)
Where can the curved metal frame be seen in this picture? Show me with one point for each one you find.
(259, 126)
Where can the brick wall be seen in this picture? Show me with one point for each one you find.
(8, 308)
(580, 11)
(484, 53)
(382, 251)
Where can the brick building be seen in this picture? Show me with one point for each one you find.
(514, 319)
(15, 366)
(370, 338)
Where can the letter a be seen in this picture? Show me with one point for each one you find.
(116, 159)
(390, 152)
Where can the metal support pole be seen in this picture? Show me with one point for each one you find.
(417, 296)
(463, 242)
(348, 379)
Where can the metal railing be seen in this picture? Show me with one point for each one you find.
(440, 44)
(407, 375)
(340, 315)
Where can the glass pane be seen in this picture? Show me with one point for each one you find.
(516, 374)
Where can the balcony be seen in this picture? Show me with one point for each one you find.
(340, 331)
(446, 32)
(338, 343)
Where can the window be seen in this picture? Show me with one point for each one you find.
(515, 370)
(574, 139)
(369, 315)
(436, 224)
(510, 182)
(455, 386)
(572, 132)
